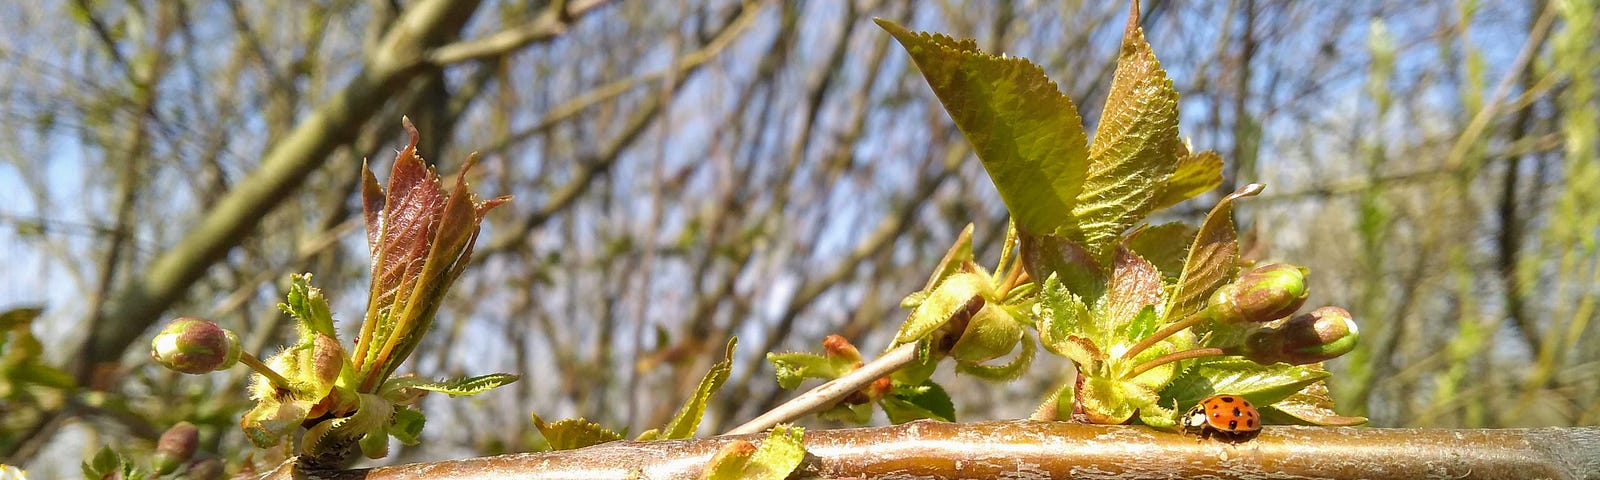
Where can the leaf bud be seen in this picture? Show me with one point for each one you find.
(1264, 294)
(838, 347)
(195, 346)
(1315, 336)
(176, 446)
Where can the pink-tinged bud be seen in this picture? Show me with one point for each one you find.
(1319, 335)
(1264, 294)
(176, 445)
(195, 346)
(208, 469)
(838, 347)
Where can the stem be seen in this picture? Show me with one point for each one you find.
(262, 368)
(1173, 357)
(1163, 334)
(829, 394)
(1046, 450)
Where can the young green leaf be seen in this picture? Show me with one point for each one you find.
(687, 420)
(1135, 285)
(907, 403)
(729, 461)
(1106, 400)
(1213, 259)
(407, 425)
(778, 455)
(1158, 416)
(1196, 174)
(1044, 256)
(1025, 131)
(794, 367)
(1136, 147)
(1310, 406)
(956, 293)
(19, 317)
(1004, 372)
(329, 439)
(1164, 246)
(465, 386)
(573, 433)
(308, 307)
(1065, 325)
(1262, 385)
(1142, 325)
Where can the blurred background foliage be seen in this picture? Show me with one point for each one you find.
(686, 171)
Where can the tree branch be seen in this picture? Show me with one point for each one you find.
(1023, 449)
(553, 21)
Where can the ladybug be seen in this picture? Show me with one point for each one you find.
(1229, 417)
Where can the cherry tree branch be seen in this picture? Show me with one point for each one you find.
(1022, 449)
(828, 394)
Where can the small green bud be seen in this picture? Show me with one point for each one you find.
(1315, 336)
(195, 346)
(1265, 294)
(991, 333)
(176, 445)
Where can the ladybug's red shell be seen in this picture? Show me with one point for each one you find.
(1228, 416)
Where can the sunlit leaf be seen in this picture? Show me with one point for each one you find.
(777, 456)
(1196, 174)
(729, 461)
(1106, 401)
(1165, 246)
(573, 433)
(465, 386)
(1065, 325)
(1213, 259)
(1044, 256)
(1135, 284)
(1135, 149)
(952, 295)
(687, 420)
(308, 307)
(407, 426)
(1262, 385)
(1025, 131)
(991, 333)
(330, 438)
(794, 367)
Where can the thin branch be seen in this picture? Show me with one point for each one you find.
(550, 23)
(829, 394)
(1023, 449)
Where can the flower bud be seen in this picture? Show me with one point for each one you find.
(176, 445)
(1264, 294)
(838, 347)
(1315, 336)
(195, 346)
(208, 469)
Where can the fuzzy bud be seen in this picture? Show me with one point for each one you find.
(176, 445)
(1264, 294)
(1315, 336)
(838, 347)
(195, 346)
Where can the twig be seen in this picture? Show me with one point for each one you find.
(828, 394)
(1024, 449)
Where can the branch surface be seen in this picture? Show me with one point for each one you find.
(1021, 449)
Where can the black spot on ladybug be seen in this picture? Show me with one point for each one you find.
(1233, 424)
(1236, 412)
(1250, 423)
(1225, 399)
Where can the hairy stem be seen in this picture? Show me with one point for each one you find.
(1162, 334)
(1173, 357)
(262, 368)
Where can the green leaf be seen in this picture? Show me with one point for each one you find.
(407, 426)
(36, 373)
(330, 438)
(1065, 325)
(959, 255)
(105, 461)
(19, 317)
(1106, 401)
(778, 455)
(1140, 327)
(1064, 399)
(1027, 134)
(1262, 385)
(1136, 147)
(846, 413)
(1003, 372)
(465, 386)
(952, 295)
(906, 403)
(1159, 417)
(1196, 174)
(1135, 285)
(1164, 246)
(573, 433)
(729, 461)
(1213, 259)
(793, 367)
(1044, 256)
(1310, 406)
(309, 307)
(684, 424)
